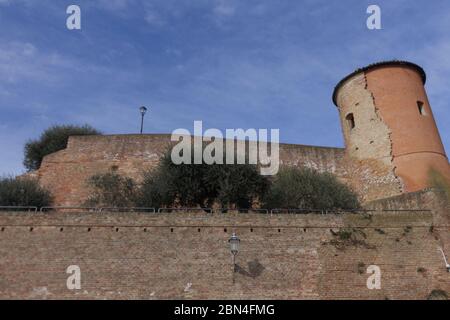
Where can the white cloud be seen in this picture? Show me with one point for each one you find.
(17, 61)
(22, 61)
(153, 18)
(114, 4)
(224, 8)
(26, 2)
(162, 13)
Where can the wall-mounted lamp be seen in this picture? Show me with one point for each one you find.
(445, 260)
(234, 247)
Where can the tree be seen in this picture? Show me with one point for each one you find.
(156, 190)
(111, 190)
(309, 189)
(238, 185)
(23, 192)
(51, 140)
(202, 185)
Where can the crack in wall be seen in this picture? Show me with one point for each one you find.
(389, 132)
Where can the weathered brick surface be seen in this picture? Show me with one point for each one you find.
(368, 144)
(126, 255)
(65, 172)
(388, 127)
(369, 139)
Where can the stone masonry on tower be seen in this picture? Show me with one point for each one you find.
(385, 115)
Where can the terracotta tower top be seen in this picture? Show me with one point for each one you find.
(386, 115)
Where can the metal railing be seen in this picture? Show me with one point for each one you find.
(90, 209)
(169, 210)
(201, 209)
(227, 210)
(19, 208)
(295, 211)
(100, 209)
(127, 209)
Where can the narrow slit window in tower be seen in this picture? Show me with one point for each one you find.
(350, 120)
(421, 108)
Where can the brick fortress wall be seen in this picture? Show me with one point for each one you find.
(65, 172)
(167, 256)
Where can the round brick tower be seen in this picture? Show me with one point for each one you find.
(386, 115)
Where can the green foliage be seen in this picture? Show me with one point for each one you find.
(111, 190)
(439, 182)
(361, 267)
(23, 192)
(238, 185)
(308, 189)
(345, 234)
(202, 185)
(230, 186)
(438, 294)
(156, 190)
(421, 270)
(346, 237)
(51, 140)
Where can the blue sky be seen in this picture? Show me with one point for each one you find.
(229, 63)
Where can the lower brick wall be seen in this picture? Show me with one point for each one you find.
(186, 256)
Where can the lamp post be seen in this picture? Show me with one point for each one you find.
(143, 110)
(234, 248)
(447, 265)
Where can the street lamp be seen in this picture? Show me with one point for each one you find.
(143, 110)
(234, 247)
(447, 265)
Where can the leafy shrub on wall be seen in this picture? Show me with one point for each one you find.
(51, 140)
(303, 188)
(439, 182)
(23, 192)
(111, 190)
(232, 185)
(237, 186)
